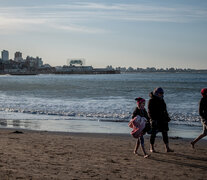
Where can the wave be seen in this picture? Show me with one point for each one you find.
(190, 119)
(97, 115)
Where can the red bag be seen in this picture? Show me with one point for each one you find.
(138, 124)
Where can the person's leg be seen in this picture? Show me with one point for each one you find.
(136, 146)
(197, 139)
(166, 141)
(142, 146)
(153, 124)
(152, 141)
(201, 135)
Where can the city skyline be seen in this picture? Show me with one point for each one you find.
(16, 55)
(159, 34)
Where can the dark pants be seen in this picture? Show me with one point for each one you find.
(141, 138)
(164, 137)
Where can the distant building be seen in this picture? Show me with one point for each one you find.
(34, 62)
(109, 67)
(75, 68)
(18, 57)
(47, 66)
(76, 61)
(5, 55)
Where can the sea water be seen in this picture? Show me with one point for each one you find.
(97, 103)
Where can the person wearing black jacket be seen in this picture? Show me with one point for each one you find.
(203, 115)
(159, 118)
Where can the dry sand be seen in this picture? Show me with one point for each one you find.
(46, 155)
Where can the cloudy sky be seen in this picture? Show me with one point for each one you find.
(137, 33)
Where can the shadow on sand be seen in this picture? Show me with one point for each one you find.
(191, 160)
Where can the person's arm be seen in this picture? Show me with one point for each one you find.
(135, 113)
(167, 117)
(146, 115)
(151, 109)
(201, 110)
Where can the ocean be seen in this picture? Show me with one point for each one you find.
(97, 103)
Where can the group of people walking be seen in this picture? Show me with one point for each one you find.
(157, 119)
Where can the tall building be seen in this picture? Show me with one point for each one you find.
(5, 55)
(34, 62)
(18, 56)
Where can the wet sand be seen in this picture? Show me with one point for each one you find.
(50, 155)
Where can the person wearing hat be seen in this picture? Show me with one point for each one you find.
(159, 118)
(142, 113)
(203, 115)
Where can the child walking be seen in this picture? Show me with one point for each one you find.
(140, 124)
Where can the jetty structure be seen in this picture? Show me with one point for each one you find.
(35, 65)
(77, 66)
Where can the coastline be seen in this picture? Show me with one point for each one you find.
(62, 155)
(84, 126)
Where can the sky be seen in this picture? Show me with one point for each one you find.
(132, 33)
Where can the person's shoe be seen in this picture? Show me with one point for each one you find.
(147, 155)
(135, 153)
(170, 150)
(152, 151)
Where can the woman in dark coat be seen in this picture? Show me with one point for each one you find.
(159, 118)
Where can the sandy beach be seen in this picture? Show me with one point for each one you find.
(50, 155)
